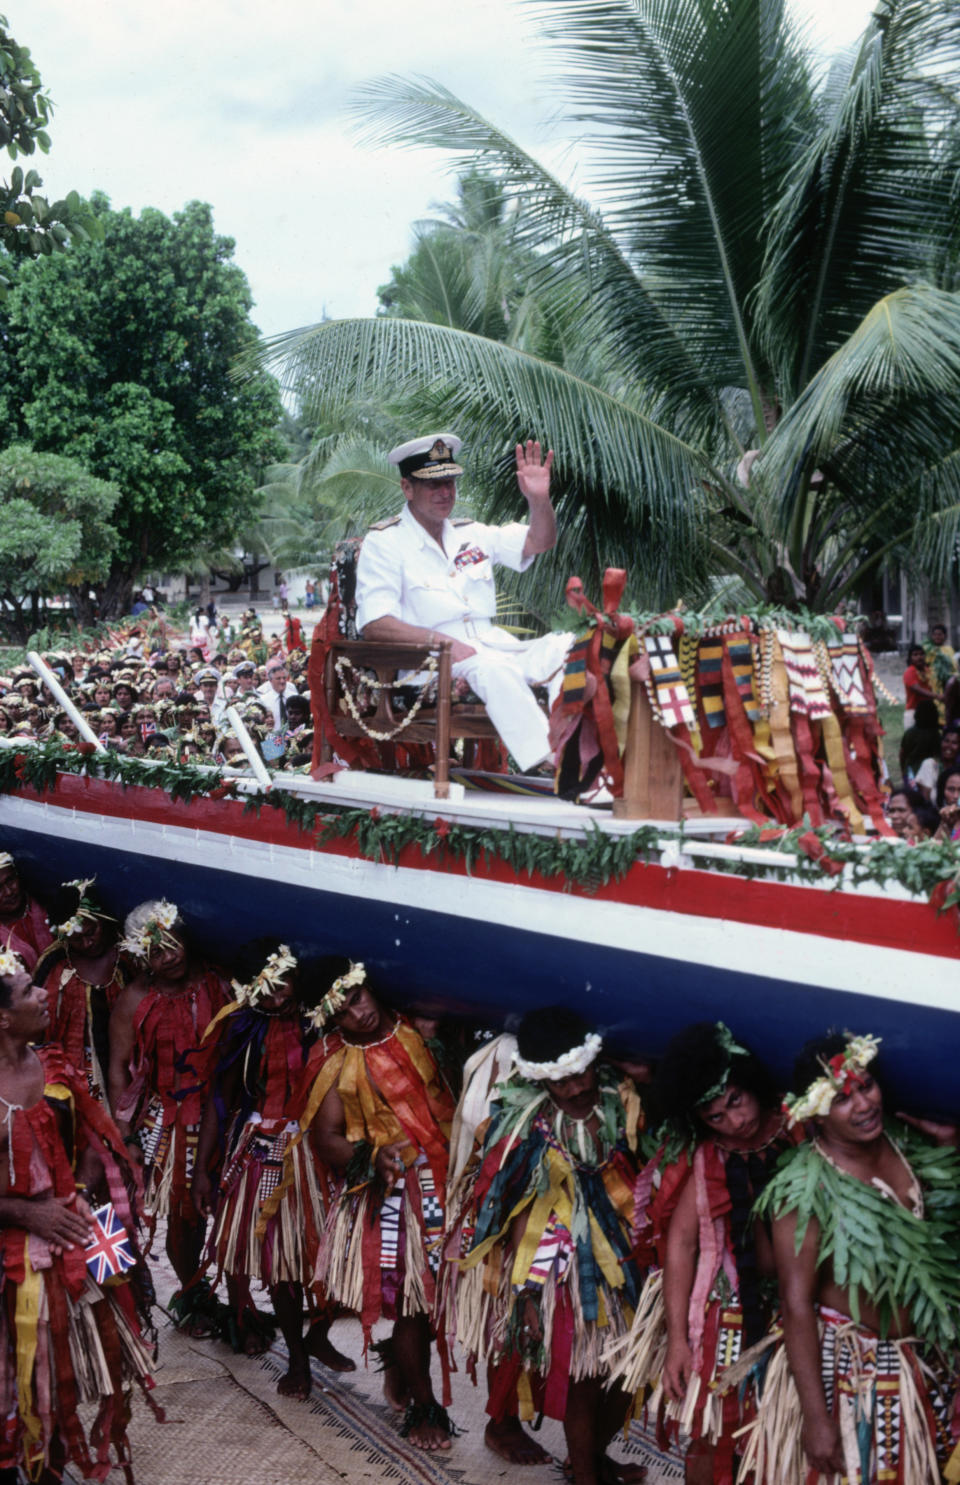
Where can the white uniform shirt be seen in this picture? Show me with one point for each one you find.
(403, 574)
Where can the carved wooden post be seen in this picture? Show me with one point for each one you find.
(652, 775)
(441, 776)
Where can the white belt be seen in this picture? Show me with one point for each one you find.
(475, 628)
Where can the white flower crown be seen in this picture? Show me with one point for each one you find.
(577, 1060)
(268, 981)
(336, 995)
(155, 933)
(10, 963)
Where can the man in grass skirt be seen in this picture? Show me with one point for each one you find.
(721, 1131)
(159, 1071)
(67, 1338)
(248, 1127)
(543, 1248)
(379, 1116)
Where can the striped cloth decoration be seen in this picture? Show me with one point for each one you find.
(845, 674)
(672, 697)
(740, 651)
(710, 681)
(807, 696)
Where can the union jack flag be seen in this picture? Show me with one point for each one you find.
(108, 1252)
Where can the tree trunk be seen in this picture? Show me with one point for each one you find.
(116, 595)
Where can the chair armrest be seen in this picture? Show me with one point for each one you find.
(386, 655)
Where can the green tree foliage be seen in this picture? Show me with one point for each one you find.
(30, 225)
(121, 354)
(55, 533)
(753, 360)
(468, 268)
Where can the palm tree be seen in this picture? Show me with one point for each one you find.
(755, 365)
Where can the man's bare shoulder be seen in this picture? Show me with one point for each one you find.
(130, 996)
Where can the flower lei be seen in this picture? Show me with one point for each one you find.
(270, 978)
(10, 964)
(155, 933)
(429, 668)
(335, 996)
(567, 1065)
(842, 1073)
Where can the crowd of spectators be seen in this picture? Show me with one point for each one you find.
(159, 696)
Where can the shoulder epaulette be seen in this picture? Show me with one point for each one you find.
(382, 525)
(463, 521)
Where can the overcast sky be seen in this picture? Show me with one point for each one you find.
(244, 105)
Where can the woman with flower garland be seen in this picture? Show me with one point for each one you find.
(83, 973)
(159, 1070)
(546, 1277)
(65, 1340)
(863, 1378)
(379, 1117)
(264, 1038)
(714, 1292)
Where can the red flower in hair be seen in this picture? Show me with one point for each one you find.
(836, 1064)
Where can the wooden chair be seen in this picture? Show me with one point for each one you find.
(341, 662)
(365, 673)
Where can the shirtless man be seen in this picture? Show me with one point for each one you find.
(159, 1070)
(873, 1387)
(379, 1116)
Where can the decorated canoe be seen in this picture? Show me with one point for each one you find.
(487, 904)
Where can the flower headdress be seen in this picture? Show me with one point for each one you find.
(567, 1065)
(87, 910)
(335, 996)
(6, 860)
(10, 963)
(842, 1073)
(155, 932)
(270, 978)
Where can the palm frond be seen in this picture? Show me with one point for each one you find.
(575, 251)
(866, 207)
(616, 469)
(697, 112)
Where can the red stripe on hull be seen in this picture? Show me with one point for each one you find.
(877, 920)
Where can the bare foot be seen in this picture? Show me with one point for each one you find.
(613, 1471)
(424, 1434)
(513, 1443)
(295, 1381)
(319, 1344)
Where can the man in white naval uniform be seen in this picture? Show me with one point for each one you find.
(422, 575)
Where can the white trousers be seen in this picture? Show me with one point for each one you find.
(502, 672)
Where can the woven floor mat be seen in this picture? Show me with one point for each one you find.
(227, 1425)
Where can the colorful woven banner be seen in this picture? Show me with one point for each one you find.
(672, 696)
(710, 681)
(740, 651)
(845, 674)
(807, 696)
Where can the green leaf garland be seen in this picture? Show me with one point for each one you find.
(588, 862)
(880, 1252)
